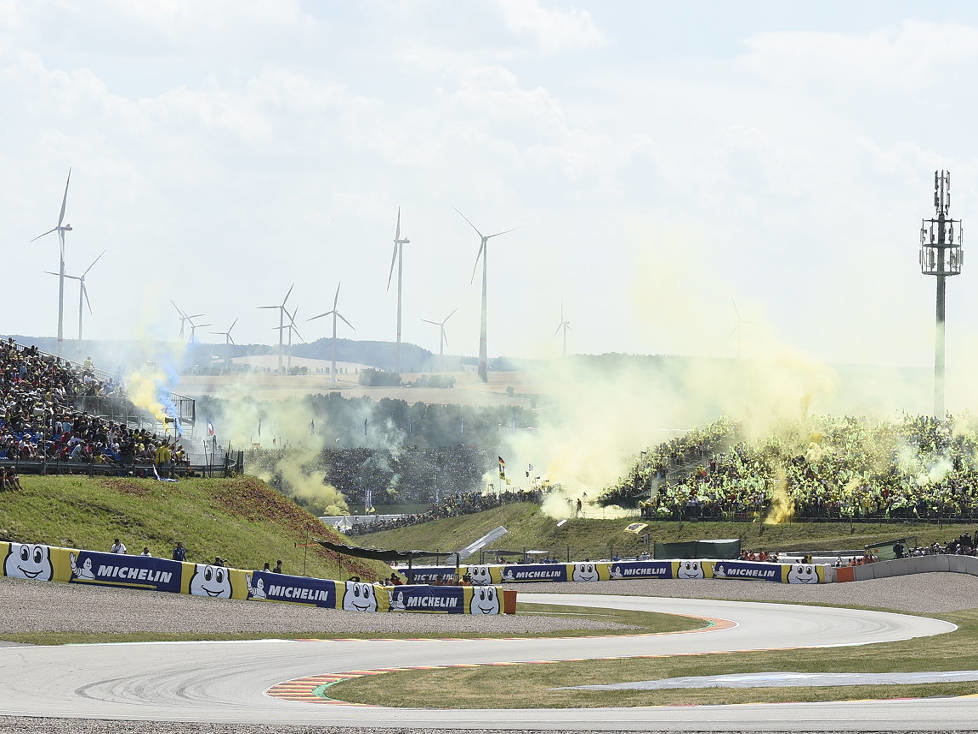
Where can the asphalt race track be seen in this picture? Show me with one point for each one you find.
(225, 682)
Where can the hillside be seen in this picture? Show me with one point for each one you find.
(531, 529)
(242, 520)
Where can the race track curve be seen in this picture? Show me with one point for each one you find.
(225, 682)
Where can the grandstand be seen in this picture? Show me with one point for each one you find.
(58, 416)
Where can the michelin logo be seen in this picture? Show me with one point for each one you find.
(485, 600)
(256, 589)
(359, 597)
(26, 561)
(548, 574)
(480, 575)
(584, 572)
(690, 570)
(617, 572)
(83, 572)
(722, 571)
(802, 574)
(213, 581)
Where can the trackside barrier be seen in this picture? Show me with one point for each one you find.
(50, 563)
(784, 573)
(907, 566)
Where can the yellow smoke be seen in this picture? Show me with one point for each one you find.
(142, 389)
(782, 508)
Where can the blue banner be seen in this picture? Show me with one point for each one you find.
(747, 570)
(534, 572)
(117, 569)
(421, 598)
(427, 574)
(268, 586)
(641, 570)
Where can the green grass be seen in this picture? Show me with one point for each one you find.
(531, 529)
(636, 622)
(242, 520)
(532, 686)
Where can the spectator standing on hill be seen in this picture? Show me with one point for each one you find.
(179, 553)
(278, 567)
(118, 547)
(146, 553)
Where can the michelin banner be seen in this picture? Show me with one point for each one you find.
(47, 563)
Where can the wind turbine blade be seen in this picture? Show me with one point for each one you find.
(500, 234)
(477, 256)
(230, 338)
(469, 221)
(51, 272)
(444, 336)
(232, 325)
(195, 315)
(336, 298)
(93, 264)
(433, 323)
(178, 309)
(201, 326)
(85, 293)
(559, 327)
(293, 327)
(736, 310)
(397, 230)
(313, 318)
(288, 294)
(448, 317)
(55, 229)
(345, 321)
(393, 260)
(217, 333)
(69, 277)
(268, 307)
(64, 201)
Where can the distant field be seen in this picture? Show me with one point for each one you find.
(468, 389)
(531, 529)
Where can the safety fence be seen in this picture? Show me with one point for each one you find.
(587, 571)
(49, 563)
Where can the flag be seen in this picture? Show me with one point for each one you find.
(636, 527)
(502, 468)
(529, 468)
(210, 428)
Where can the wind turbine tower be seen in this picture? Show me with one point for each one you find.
(484, 254)
(281, 324)
(61, 228)
(335, 314)
(565, 325)
(228, 343)
(443, 338)
(292, 328)
(399, 258)
(184, 318)
(738, 328)
(82, 291)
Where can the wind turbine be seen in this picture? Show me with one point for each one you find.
(443, 338)
(193, 330)
(398, 257)
(281, 323)
(565, 325)
(291, 327)
(228, 343)
(738, 328)
(82, 291)
(184, 318)
(335, 314)
(483, 253)
(60, 229)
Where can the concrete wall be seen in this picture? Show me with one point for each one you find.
(917, 564)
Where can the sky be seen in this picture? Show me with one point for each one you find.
(659, 161)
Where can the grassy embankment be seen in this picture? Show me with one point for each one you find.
(530, 528)
(532, 686)
(242, 520)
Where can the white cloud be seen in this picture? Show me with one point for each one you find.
(552, 28)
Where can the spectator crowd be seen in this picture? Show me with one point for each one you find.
(40, 419)
(841, 468)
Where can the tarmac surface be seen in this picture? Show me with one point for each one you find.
(224, 683)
